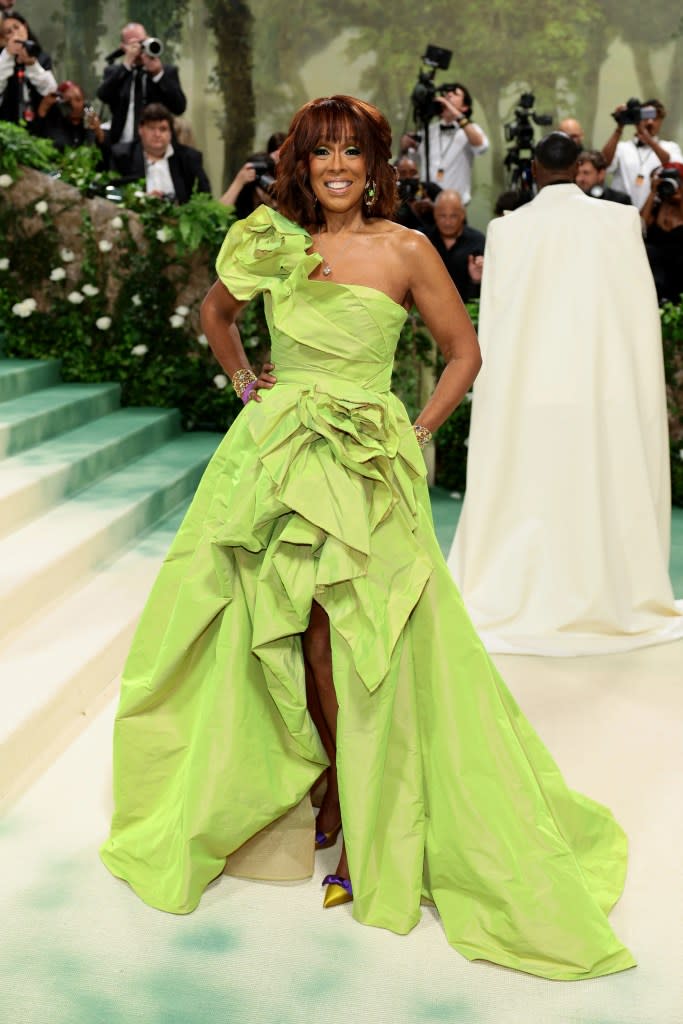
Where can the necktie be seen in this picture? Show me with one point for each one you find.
(137, 97)
(447, 127)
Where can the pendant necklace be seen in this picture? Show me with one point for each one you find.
(326, 268)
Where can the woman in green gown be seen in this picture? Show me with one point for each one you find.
(304, 619)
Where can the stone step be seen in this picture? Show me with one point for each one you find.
(34, 480)
(46, 558)
(33, 418)
(62, 663)
(21, 376)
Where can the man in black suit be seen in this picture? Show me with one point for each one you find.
(138, 80)
(590, 177)
(170, 170)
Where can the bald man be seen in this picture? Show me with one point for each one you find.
(460, 247)
(140, 79)
(571, 127)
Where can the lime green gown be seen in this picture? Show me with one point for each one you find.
(318, 492)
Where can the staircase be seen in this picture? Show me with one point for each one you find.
(90, 498)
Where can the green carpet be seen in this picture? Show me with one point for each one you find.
(446, 512)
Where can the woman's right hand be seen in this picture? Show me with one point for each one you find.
(264, 380)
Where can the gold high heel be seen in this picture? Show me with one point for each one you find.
(325, 839)
(339, 891)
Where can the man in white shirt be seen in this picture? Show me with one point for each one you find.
(454, 141)
(633, 161)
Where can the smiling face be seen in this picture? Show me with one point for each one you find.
(338, 173)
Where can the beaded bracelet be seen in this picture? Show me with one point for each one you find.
(423, 435)
(241, 380)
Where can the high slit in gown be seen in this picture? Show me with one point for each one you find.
(318, 492)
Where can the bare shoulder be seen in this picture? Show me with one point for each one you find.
(408, 244)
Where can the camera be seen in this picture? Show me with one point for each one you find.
(408, 189)
(31, 47)
(152, 47)
(668, 182)
(520, 134)
(424, 91)
(634, 113)
(265, 172)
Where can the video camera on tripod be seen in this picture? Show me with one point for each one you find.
(520, 134)
(423, 96)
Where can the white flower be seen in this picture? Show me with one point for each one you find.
(41, 207)
(469, 396)
(6, 180)
(182, 310)
(456, 494)
(203, 340)
(139, 194)
(466, 442)
(116, 223)
(25, 308)
(104, 246)
(58, 274)
(139, 350)
(90, 290)
(76, 298)
(680, 453)
(67, 255)
(164, 235)
(176, 321)
(136, 300)
(103, 323)
(220, 380)
(4, 263)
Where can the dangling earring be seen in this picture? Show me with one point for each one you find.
(370, 194)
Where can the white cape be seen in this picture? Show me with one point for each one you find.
(563, 542)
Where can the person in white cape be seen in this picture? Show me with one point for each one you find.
(563, 542)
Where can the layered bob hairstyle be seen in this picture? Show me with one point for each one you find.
(334, 119)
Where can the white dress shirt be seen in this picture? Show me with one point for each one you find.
(158, 174)
(452, 154)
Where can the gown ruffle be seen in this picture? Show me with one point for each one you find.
(318, 492)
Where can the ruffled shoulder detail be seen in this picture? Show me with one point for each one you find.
(262, 252)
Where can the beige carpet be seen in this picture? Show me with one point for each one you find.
(77, 946)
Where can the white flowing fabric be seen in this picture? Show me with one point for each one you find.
(563, 542)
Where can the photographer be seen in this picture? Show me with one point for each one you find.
(69, 122)
(171, 171)
(251, 186)
(634, 160)
(454, 141)
(662, 216)
(140, 79)
(25, 75)
(416, 209)
(590, 177)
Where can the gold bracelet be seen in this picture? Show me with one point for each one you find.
(423, 435)
(241, 379)
(463, 122)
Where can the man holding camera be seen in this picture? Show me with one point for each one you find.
(171, 171)
(138, 80)
(634, 160)
(454, 141)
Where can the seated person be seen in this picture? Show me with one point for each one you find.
(25, 75)
(662, 216)
(67, 121)
(460, 247)
(590, 177)
(251, 186)
(171, 170)
(417, 197)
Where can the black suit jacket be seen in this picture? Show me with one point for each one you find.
(115, 91)
(185, 166)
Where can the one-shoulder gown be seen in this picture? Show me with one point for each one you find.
(318, 492)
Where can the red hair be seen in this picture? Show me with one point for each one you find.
(333, 118)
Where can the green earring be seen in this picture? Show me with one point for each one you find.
(370, 193)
